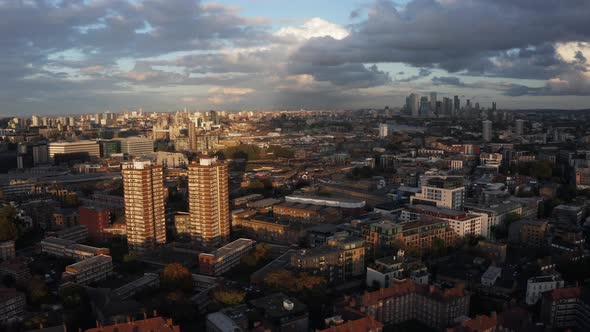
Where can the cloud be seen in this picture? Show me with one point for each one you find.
(314, 28)
(447, 80)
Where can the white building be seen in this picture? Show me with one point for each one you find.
(137, 146)
(463, 223)
(383, 130)
(90, 147)
(490, 276)
(170, 159)
(442, 192)
(536, 286)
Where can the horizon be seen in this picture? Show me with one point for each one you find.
(86, 56)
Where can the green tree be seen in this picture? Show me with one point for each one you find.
(177, 277)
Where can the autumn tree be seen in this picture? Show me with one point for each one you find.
(176, 276)
(8, 229)
(228, 297)
(37, 289)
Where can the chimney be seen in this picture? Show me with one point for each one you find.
(144, 314)
(155, 312)
(97, 324)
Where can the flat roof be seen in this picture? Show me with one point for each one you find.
(90, 261)
(231, 247)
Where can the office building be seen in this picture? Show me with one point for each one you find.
(486, 131)
(413, 105)
(432, 102)
(424, 107)
(383, 130)
(223, 259)
(137, 146)
(89, 270)
(209, 202)
(91, 148)
(519, 127)
(143, 185)
(456, 106)
(441, 192)
(109, 147)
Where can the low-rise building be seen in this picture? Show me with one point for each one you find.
(7, 250)
(223, 259)
(70, 249)
(365, 324)
(145, 325)
(463, 223)
(406, 300)
(536, 286)
(77, 233)
(148, 280)
(567, 308)
(490, 276)
(282, 313)
(12, 305)
(17, 269)
(90, 270)
(341, 259)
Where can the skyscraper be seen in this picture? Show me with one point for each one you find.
(487, 130)
(424, 106)
(519, 127)
(433, 102)
(457, 106)
(192, 134)
(209, 202)
(143, 185)
(383, 130)
(414, 105)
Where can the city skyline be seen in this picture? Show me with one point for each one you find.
(71, 57)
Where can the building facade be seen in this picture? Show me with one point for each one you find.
(208, 183)
(143, 185)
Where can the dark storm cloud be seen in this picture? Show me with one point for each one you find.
(347, 74)
(505, 38)
(423, 72)
(447, 80)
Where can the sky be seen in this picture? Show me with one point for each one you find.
(79, 56)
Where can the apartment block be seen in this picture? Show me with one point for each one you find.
(90, 270)
(69, 249)
(406, 300)
(208, 182)
(12, 305)
(223, 259)
(143, 185)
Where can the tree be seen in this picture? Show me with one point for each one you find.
(541, 169)
(177, 277)
(228, 297)
(8, 229)
(37, 289)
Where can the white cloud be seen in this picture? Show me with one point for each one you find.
(314, 28)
